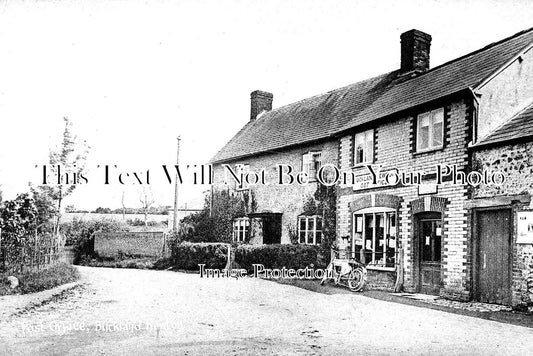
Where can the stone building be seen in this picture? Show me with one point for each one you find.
(407, 145)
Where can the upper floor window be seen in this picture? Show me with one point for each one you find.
(241, 170)
(311, 163)
(310, 230)
(364, 147)
(430, 130)
(241, 229)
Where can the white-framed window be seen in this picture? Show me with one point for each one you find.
(430, 130)
(374, 231)
(241, 229)
(364, 147)
(311, 163)
(310, 230)
(241, 170)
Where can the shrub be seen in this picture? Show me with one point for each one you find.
(79, 234)
(279, 256)
(36, 281)
(188, 256)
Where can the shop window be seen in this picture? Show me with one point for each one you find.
(364, 147)
(241, 229)
(430, 130)
(375, 234)
(311, 163)
(310, 230)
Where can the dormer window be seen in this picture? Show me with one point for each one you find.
(430, 130)
(364, 147)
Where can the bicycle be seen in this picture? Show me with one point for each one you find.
(346, 272)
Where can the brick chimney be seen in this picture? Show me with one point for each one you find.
(260, 101)
(415, 51)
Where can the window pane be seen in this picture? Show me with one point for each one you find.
(369, 154)
(309, 237)
(437, 134)
(359, 147)
(423, 137)
(311, 224)
(318, 223)
(423, 131)
(359, 154)
(318, 237)
(305, 162)
(301, 237)
(302, 224)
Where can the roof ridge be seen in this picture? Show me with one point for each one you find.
(489, 46)
(332, 91)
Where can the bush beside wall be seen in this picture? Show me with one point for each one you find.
(188, 256)
(278, 256)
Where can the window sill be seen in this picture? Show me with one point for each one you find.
(429, 150)
(360, 165)
(379, 268)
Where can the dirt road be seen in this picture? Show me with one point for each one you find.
(137, 312)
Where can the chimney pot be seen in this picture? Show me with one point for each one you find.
(260, 101)
(415, 46)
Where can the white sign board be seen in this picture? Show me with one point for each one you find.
(525, 227)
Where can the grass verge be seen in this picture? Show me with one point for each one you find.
(36, 281)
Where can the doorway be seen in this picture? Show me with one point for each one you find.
(492, 256)
(429, 256)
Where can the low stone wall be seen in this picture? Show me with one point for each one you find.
(129, 243)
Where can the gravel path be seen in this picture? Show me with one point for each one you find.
(131, 312)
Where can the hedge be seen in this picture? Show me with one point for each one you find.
(278, 256)
(188, 255)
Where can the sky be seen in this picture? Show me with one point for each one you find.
(133, 75)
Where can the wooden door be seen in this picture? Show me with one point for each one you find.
(430, 255)
(493, 256)
(272, 229)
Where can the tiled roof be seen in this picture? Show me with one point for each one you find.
(519, 126)
(328, 114)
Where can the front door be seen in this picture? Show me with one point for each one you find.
(492, 260)
(430, 247)
(272, 229)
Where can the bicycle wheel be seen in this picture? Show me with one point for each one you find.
(356, 280)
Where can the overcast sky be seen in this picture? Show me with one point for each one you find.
(132, 75)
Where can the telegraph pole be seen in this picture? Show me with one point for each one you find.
(175, 222)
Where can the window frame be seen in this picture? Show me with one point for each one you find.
(366, 160)
(430, 147)
(241, 169)
(389, 225)
(314, 231)
(237, 224)
(310, 156)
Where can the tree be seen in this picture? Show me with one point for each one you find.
(146, 198)
(123, 205)
(70, 155)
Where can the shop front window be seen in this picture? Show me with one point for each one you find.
(375, 236)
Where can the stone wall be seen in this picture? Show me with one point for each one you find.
(515, 161)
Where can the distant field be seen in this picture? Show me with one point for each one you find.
(67, 217)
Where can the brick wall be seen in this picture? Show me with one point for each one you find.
(130, 243)
(274, 198)
(394, 149)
